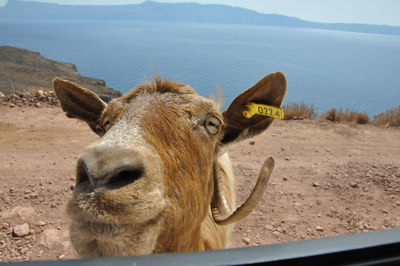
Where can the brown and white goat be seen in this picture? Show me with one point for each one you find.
(159, 178)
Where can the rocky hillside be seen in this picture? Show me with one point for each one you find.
(25, 71)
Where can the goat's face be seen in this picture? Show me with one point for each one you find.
(158, 152)
(155, 161)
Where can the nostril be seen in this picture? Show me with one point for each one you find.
(124, 178)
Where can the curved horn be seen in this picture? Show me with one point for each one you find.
(220, 206)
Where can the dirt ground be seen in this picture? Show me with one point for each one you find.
(330, 179)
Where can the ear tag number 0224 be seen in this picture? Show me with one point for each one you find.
(262, 109)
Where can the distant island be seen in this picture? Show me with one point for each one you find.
(175, 12)
(24, 71)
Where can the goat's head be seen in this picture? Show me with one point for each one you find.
(154, 167)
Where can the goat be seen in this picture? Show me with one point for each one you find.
(159, 179)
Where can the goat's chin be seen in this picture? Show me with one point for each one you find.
(92, 239)
(115, 222)
(115, 228)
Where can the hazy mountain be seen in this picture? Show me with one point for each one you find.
(174, 12)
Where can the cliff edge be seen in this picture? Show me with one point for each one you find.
(24, 71)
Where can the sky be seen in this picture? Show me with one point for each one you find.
(383, 12)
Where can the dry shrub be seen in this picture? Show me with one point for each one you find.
(390, 118)
(299, 111)
(335, 115)
(330, 115)
(362, 118)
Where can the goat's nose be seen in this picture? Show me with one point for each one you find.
(100, 169)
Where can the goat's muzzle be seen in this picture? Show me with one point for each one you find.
(102, 170)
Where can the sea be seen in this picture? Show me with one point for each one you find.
(324, 68)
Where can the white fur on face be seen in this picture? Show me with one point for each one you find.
(124, 145)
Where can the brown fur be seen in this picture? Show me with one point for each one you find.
(159, 127)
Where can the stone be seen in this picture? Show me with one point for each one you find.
(319, 228)
(40, 93)
(315, 184)
(21, 230)
(55, 239)
(26, 213)
(252, 142)
(5, 226)
(24, 250)
(268, 227)
(246, 240)
(41, 223)
(37, 105)
(354, 184)
(297, 204)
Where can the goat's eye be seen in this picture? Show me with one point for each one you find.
(213, 125)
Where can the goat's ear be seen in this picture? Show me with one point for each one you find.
(80, 103)
(270, 90)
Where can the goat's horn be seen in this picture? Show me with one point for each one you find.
(252, 200)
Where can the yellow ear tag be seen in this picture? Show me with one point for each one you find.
(262, 109)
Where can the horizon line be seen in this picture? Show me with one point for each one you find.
(204, 4)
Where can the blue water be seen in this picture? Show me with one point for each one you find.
(324, 68)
